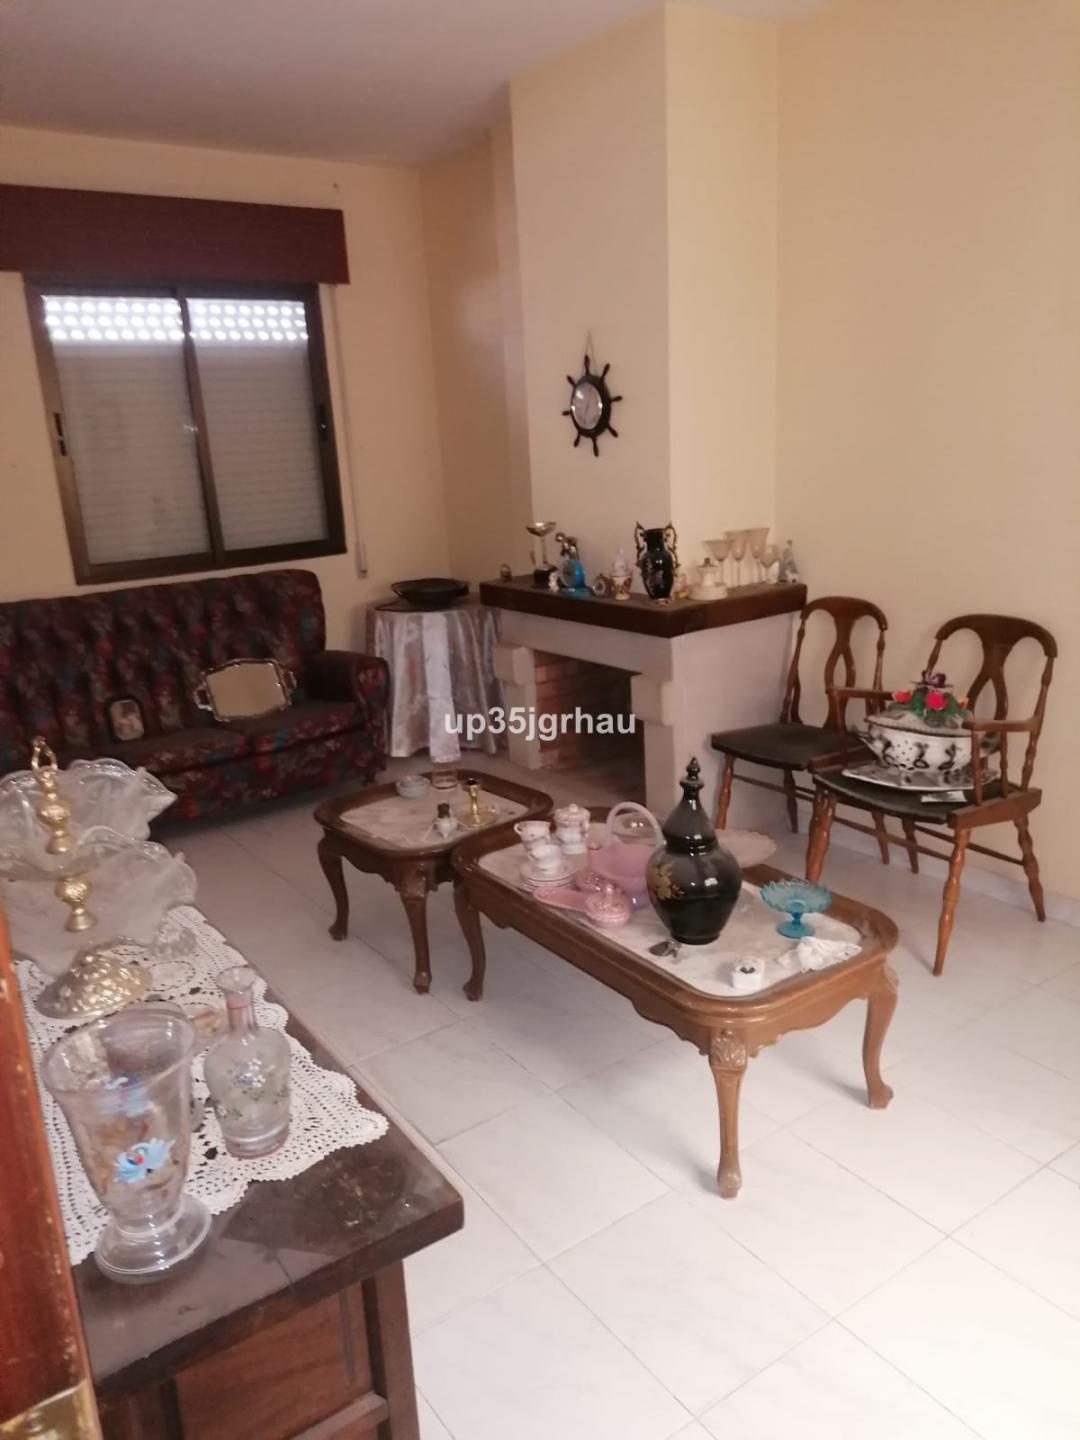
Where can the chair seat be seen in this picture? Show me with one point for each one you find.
(785, 747)
(904, 804)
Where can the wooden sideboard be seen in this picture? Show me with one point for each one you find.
(291, 1321)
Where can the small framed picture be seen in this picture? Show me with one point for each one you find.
(126, 718)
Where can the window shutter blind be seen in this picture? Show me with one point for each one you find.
(128, 425)
(254, 374)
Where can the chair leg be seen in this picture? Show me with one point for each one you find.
(912, 845)
(723, 799)
(879, 828)
(824, 813)
(949, 898)
(1031, 866)
(792, 801)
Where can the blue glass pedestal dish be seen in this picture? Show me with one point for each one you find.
(795, 898)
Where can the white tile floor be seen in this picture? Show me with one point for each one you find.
(908, 1273)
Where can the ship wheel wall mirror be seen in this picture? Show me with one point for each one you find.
(590, 406)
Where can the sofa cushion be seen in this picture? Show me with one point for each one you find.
(182, 750)
(299, 724)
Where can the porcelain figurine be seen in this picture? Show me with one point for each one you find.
(445, 823)
(788, 573)
(621, 576)
(571, 571)
(693, 881)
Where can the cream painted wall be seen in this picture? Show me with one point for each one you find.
(721, 206)
(929, 377)
(487, 495)
(378, 338)
(645, 165)
(590, 160)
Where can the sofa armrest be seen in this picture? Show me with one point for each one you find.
(348, 675)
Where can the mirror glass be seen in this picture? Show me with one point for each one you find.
(586, 406)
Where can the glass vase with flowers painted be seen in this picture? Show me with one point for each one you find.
(247, 1073)
(926, 728)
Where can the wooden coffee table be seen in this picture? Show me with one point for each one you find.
(729, 1028)
(412, 869)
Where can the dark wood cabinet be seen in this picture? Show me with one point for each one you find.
(291, 1323)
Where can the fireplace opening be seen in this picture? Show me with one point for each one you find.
(611, 750)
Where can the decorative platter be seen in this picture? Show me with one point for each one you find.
(875, 774)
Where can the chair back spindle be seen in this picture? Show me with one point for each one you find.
(845, 611)
(998, 635)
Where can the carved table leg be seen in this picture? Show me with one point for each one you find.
(727, 1060)
(880, 1004)
(469, 920)
(413, 886)
(330, 861)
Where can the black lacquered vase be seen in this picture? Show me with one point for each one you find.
(693, 880)
(655, 561)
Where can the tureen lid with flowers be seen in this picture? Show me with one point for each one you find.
(928, 701)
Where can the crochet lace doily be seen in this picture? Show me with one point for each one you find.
(326, 1114)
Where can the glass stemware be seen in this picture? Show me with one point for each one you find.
(720, 550)
(770, 556)
(757, 538)
(739, 540)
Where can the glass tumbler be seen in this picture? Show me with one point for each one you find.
(124, 1084)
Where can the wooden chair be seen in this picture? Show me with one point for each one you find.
(789, 745)
(994, 801)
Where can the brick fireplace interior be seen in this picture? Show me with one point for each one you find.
(563, 686)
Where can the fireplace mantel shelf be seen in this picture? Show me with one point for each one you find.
(642, 615)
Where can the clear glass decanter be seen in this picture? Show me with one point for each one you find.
(247, 1073)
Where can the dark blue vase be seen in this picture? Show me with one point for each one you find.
(656, 562)
(693, 880)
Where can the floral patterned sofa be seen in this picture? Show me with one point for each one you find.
(63, 661)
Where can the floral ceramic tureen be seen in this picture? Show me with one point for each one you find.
(925, 728)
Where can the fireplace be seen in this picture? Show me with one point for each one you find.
(585, 722)
(691, 667)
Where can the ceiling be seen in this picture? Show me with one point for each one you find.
(401, 80)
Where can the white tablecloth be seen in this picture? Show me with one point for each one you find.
(441, 668)
(325, 1112)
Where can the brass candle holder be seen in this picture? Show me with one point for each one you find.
(477, 815)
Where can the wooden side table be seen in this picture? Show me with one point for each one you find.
(413, 870)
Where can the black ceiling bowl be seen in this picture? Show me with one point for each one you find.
(431, 593)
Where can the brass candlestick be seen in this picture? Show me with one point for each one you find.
(477, 814)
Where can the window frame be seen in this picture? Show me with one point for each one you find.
(217, 557)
